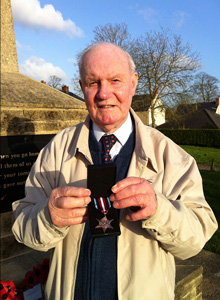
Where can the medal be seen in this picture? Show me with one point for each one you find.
(104, 223)
(103, 204)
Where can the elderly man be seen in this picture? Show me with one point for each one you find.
(158, 194)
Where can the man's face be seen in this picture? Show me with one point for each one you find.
(108, 86)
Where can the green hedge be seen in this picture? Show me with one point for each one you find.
(194, 137)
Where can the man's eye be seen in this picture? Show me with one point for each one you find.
(92, 83)
(116, 80)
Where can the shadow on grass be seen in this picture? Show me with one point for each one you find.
(211, 183)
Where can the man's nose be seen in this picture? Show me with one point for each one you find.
(104, 91)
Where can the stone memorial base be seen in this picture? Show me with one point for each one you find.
(17, 155)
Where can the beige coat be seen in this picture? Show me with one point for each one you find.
(180, 227)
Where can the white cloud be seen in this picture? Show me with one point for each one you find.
(23, 46)
(30, 13)
(179, 17)
(39, 69)
(133, 6)
(72, 60)
(149, 14)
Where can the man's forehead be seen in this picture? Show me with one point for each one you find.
(106, 62)
(109, 74)
(106, 51)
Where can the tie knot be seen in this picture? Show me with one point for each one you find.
(107, 143)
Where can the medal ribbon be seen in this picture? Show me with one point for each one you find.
(103, 204)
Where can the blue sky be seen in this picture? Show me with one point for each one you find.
(49, 33)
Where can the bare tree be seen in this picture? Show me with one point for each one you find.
(55, 82)
(165, 66)
(76, 86)
(117, 34)
(205, 87)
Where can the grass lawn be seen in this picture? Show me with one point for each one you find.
(203, 155)
(211, 184)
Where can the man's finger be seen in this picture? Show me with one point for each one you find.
(70, 191)
(126, 182)
(60, 222)
(131, 188)
(139, 215)
(72, 213)
(138, 200)
(70, 202)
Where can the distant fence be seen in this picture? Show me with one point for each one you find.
(194, 137)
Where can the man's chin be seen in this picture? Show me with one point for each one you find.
(109, 127)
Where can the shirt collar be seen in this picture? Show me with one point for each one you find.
(122, 133)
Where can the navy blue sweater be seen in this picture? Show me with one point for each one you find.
(97, 266)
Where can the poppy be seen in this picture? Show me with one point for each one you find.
(31, 278)
(8, 291)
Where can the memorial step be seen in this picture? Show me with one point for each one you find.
(18, 120)
(15, 268)
(9, 246)
(53, 125)
(6, 222)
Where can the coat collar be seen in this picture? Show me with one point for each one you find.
(82, 144)
(144, 148)
(80, 141)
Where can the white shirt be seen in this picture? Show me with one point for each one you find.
(122, 134)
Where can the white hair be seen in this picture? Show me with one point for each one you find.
(96, 44)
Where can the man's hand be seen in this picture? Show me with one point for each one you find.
(67, 206)
(137, 194)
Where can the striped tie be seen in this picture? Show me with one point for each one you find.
(107, 142)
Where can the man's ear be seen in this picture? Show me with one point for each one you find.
(134, 79)
(81, 85)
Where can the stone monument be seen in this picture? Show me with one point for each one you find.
(31, 113)
(9, 61)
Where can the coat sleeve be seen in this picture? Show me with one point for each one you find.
(183, 222)
(33, 225)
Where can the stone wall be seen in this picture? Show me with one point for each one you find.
(20, 121)
(189, 283)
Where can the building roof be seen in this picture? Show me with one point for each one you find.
(195, 116)
(188, 108)
(202, 119)
(74, 96)
(141, 102)
(215, 118)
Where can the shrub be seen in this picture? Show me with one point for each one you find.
(194, 137)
